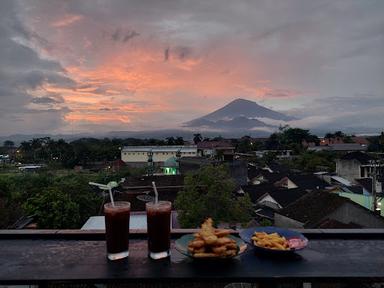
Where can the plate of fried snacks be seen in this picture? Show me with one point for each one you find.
(210, 242)
(274, 239)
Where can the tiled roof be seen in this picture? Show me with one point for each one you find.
(256, 191)
(213, 144)
(171, 148)
(282, 196)
(307, 181)
(363, 158)
(334, 224)
(313, 207)
(287, 196)
(348, 147)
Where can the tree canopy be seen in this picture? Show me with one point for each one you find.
(290, 138)
(208, 192)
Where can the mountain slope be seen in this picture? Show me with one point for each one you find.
(238, 113)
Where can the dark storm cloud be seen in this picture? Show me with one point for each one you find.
(23, 70)
(119, 35)
(48, 100)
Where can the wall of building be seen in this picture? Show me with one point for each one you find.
(134, 157)
(348, 169)
(283, 221)
(351, 213)
(363, 200)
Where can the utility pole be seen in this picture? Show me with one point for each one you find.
(373, 174)
(376, 167)
(150, 167)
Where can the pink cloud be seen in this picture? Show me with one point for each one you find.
(67, 20)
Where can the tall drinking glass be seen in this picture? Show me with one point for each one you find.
(117, 229)
(159, 229)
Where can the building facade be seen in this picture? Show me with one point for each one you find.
(137, 156)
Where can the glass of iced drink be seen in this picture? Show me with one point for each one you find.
(117, 229)
(159, 228)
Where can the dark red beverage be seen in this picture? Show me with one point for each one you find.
(159, 228)
(117, 229)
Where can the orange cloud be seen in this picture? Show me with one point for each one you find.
(68, 20)
(94, 118)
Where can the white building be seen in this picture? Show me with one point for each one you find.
(138, 155)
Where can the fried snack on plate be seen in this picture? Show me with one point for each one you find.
(271, 241)
(210, 242)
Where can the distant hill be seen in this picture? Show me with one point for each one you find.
(238, 114)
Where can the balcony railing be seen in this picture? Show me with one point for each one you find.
(351, 256)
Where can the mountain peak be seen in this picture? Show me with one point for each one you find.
(238, 108)
(242, 101)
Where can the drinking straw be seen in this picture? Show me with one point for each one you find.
(156, 193)
(111, 196)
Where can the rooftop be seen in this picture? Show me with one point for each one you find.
(172, 148)
(214, 144)
(282, 196)
(363, 158)
(313, 207)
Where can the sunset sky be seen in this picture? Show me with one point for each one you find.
(102, 65)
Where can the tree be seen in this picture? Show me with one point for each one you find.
(197, 138)
(208, 192)
(339, 134)
(179, 141)
(170, 140)
(54, 209)
(290, 138)
(8, 144)
(59, 202)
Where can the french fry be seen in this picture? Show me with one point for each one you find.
(272, 241)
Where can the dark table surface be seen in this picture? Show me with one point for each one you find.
(40, 260)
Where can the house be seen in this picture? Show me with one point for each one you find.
(331, 141)
(271, 196)
(354, 165)
(117, 165)
(345, 147)
(317, 208)
(214, 148)
(308, 182)
(258, 175)
(188, 164)
(31, 167)
(348, 147)
(280, 154)
(287, 180)
(267, 198)
(139, 156)
(4, 158)
(360, 140)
